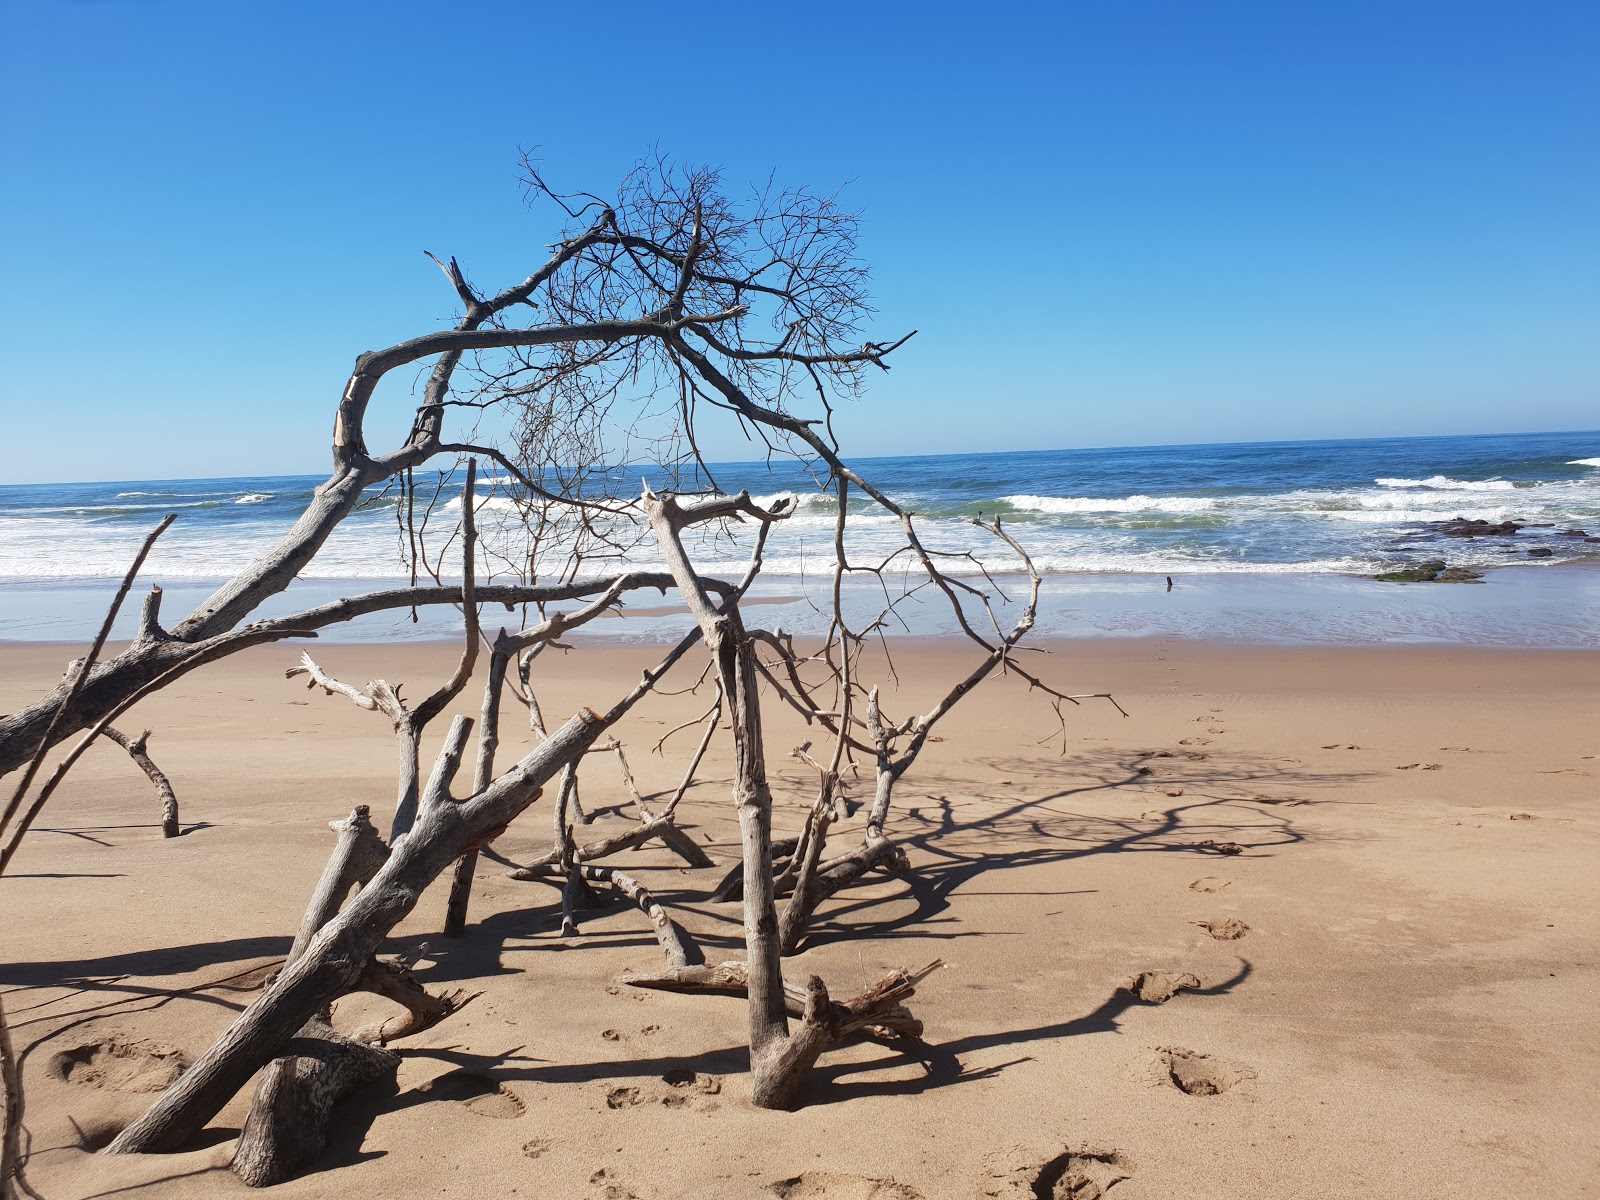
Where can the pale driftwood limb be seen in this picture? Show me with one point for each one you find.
(338, 954)
(549, 863)
(455, 916)
(732, 886)
(287, 1125)
(672, 837)
(612, 746)
(198, 656)
(824, 879)
(879, 1009)
(393, 980)
(699, 753)
(150, 617)
(675, 839)
(136, 748)
(74, 689)
(357, 856)
(734, 655)
(447, 764)
(317, 677)
(680, 949)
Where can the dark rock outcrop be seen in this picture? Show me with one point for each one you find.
(1433, 571)
(1464, 527)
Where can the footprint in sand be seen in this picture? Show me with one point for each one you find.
(535, 1148)
(686, 1079)
(478, 1094)
(1197, 1074)
(1084, 1174)
(1194, 741)
(831, 1185)
(1157, 987)
(1225, 929)
(117, 1066)
(686, 1084)
(1522, 817)
(1423, 766)
(1338, 746)
(622, 1097)
(612, 1187)
(1209, 883)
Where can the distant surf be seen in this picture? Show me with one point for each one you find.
(1284, 508)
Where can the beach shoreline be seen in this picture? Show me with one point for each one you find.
(1528, 606)
(1408, 1009)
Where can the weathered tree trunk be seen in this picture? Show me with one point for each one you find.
(733, 656)
(334, 960)
(288, 1122)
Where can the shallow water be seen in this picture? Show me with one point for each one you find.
(1269, 541)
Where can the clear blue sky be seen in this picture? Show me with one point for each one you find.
(1114, 223)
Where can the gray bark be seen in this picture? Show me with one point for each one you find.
(288, 1122)
(357, 856)
(136, 748)
(334, 960)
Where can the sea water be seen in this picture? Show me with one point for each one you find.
(1234, 525)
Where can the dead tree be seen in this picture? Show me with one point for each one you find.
(667, 307)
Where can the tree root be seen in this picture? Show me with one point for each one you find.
(288, 1122)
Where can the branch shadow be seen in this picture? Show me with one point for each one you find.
(941, 1062)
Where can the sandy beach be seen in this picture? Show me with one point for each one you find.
(1392, 977)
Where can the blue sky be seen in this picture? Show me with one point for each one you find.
(1114, 223)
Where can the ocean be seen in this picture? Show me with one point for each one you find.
(1242, 520)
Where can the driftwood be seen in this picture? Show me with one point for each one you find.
(356, 858)
(288, 1122)
(675, 284)
(334, 960)
(289, 1114)
(137, 750)
(878, 1009)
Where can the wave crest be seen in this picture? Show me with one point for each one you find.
(1445, 483)
(1117, 504)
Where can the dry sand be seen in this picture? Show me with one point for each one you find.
(1393, 981)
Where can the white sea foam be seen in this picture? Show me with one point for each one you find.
(1584, 462)
(254, 498)
(1121, 504)
(1445, 483)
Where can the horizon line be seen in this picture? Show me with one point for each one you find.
(736, 462)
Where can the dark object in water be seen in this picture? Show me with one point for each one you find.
(1433, 571)
(1169, 583)
(1539, 552)
(1462, 527)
